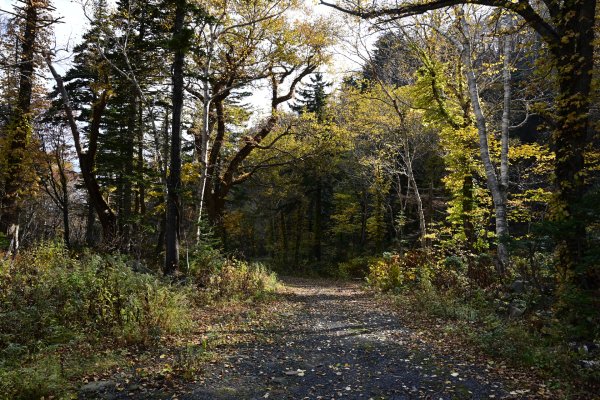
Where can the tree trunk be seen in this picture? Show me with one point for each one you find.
(504, 143)
(174, 179)
(87, 160)
(89, 225)
(363, 218)
(298, 239)
(318, 238)
(127, 179)
(413, 182)
(467, 210)
(20, 131)
(284, 237)
(65, 204)
(574, 60)
(491, 178)
(67, 230)
(205, 131)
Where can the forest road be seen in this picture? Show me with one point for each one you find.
(335, 341)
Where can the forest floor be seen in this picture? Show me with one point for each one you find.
(317, 339)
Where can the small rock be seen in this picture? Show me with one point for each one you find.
(517, 308)
(97, 386)
(518, 286)
(298, 372)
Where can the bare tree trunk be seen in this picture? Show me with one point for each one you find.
(87, 160)
(284, 237)
(467, 210)
(125, 217)
(64, 201)
(504, 142)
(203, 156)
(298, 238)
(174, 179)
(89, 225)
(492, 180)
(413, 183)
(318, 238)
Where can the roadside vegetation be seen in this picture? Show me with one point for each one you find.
(69, 315)
(514, 319)
(188, 148)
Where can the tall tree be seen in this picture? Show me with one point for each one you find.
(567, 28)
(284, 67)
(497, 183)
(179, 43)
(84, 95)
(17, 173)
(312, 98)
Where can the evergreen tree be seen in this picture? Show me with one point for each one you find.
(17, 175)
(312, 97)
(391, 63)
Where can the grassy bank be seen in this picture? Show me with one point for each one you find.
(508, 319)
(67, 315)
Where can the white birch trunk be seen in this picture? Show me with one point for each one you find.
(493, 184)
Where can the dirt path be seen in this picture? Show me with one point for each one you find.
(333, 341)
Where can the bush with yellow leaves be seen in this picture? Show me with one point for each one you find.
(392, 272)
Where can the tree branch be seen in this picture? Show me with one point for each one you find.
(408, 9)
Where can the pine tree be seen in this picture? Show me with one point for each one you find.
(312, 97)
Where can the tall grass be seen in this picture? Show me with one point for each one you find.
(52, 301)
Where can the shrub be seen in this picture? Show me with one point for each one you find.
(224, 278)
(393, 272)
(52, 301)
(51, 297)
(357, 267)
(35, 381)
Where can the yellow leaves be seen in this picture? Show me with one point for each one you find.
(394, 271)
(526, 151)
(347, 210)
(190, 173)
(235, 225)
(19, 159)
(492, 68)
(541, 154)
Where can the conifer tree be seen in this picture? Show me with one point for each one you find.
(312, 97)
(17, 175)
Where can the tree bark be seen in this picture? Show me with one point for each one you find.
(503, 253)
(205, 131)
(574, 61)
(89, 224)
(125, 217)
(318, 238)
(64, 194)
(87, 160)
(20, 131)
(498, 196)
(467, 210)
(174, 179)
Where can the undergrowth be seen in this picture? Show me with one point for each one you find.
(507, 317)
(63, 315)
(225, 278)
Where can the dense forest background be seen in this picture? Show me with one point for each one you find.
(461, 155)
